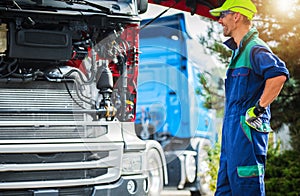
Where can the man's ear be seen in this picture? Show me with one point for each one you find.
(237, 16)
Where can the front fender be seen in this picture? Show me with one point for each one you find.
(154, 144)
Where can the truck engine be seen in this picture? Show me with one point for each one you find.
(68, 73)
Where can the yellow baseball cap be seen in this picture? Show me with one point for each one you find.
(245, 7)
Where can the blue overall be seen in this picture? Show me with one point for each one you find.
(244, 150)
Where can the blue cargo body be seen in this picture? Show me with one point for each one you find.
(169, 79)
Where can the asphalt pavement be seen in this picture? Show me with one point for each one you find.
(175, 193)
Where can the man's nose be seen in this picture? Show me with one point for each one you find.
(220, 20)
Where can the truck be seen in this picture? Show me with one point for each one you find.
(68, 71)
(171, 116)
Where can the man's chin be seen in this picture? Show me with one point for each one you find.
(226, 34)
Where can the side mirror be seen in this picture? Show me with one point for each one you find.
(142, 6)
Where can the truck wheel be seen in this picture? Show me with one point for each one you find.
(154, 172)
(203, 178)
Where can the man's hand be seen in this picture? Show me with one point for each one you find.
(253, 116)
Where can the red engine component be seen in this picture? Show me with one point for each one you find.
(128, 43)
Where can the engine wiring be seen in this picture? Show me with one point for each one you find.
(8, 65)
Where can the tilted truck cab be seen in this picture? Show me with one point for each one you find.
(68, 72)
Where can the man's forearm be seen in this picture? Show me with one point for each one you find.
(272, 90)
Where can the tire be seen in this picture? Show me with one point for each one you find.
(154, 172)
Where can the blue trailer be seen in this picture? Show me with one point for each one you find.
(170, 113)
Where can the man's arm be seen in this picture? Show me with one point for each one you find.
(272, 89)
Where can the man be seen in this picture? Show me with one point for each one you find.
(255, 77)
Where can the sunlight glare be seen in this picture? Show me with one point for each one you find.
(285, 6)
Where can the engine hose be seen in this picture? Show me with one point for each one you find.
(9, 68)
(89, 81)
(80, 95)
(70, 94)
(2, 67)
(77, 93)
(77, 86)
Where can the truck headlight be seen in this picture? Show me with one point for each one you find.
(132, 163)
(190, 165)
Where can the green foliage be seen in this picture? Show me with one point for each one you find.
(212, 41)
(283, 173)
(212, 93)
(213, 164)
(224, 53)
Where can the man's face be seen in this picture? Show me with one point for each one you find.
(227, 21)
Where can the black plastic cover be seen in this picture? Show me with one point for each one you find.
(39, 44)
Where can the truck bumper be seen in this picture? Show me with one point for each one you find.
(136, 185)
(127, 185)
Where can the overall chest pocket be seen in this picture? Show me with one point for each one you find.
(237, 83)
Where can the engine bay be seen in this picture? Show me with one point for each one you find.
(95, 53)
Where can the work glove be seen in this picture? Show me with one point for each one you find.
(253, 115)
